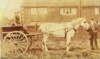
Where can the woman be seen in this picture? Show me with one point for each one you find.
(17, 20)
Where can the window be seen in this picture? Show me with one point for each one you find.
(38, 11)
(68, 11)
(97, 10)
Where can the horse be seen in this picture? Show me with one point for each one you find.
(64, 29)
(93, 32)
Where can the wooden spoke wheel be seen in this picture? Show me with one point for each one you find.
(15, 43)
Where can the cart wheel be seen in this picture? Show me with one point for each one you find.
(15, 43)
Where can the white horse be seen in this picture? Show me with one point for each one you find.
(66, 29)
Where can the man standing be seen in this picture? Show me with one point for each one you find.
(93, 31)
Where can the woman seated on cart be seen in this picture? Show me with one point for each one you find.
(17, 22)
(17, 19)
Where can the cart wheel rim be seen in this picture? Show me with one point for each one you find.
(15, 43)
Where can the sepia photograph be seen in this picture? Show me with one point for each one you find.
(49, 29)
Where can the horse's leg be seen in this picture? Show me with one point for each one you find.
(95, 38)
(68, 43)
(91, 42)
(45, 37)
(69, 36)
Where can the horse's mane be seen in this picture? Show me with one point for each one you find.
(76, 21)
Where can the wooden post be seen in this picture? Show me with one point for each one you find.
(80, 8)
(0, 40)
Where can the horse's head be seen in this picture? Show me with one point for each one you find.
(84, 23)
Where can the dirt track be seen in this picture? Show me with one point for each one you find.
(80, 48)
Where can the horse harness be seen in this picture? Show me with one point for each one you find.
(69, 30)
(65, 30)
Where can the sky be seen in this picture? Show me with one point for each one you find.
(8, 7)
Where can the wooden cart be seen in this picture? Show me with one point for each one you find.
(16, 41)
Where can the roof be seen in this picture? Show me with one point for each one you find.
(90, 2)
(51, 3)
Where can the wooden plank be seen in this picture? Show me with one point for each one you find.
(49, 6)
(1, 36)
(5, 32)
(34, 34)
(14, 28)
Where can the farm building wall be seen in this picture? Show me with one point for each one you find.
(53, 15)
(97, 15)
(88, 12)
(91, 12)
(85, 8)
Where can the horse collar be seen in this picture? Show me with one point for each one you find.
(74, 29)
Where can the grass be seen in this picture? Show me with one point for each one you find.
(80, 49)
(62, 55)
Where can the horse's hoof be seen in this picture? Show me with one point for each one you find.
(46, 50)
(67, 50)
(92, 48)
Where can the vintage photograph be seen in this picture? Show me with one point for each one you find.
(49, 29)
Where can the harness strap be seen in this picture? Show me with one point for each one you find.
(69, 30)
(65, 32)
(74, 29)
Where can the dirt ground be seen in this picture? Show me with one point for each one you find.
(80, 48)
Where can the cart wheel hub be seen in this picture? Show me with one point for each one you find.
(15, 44)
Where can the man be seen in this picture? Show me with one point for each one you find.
(93, 31)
